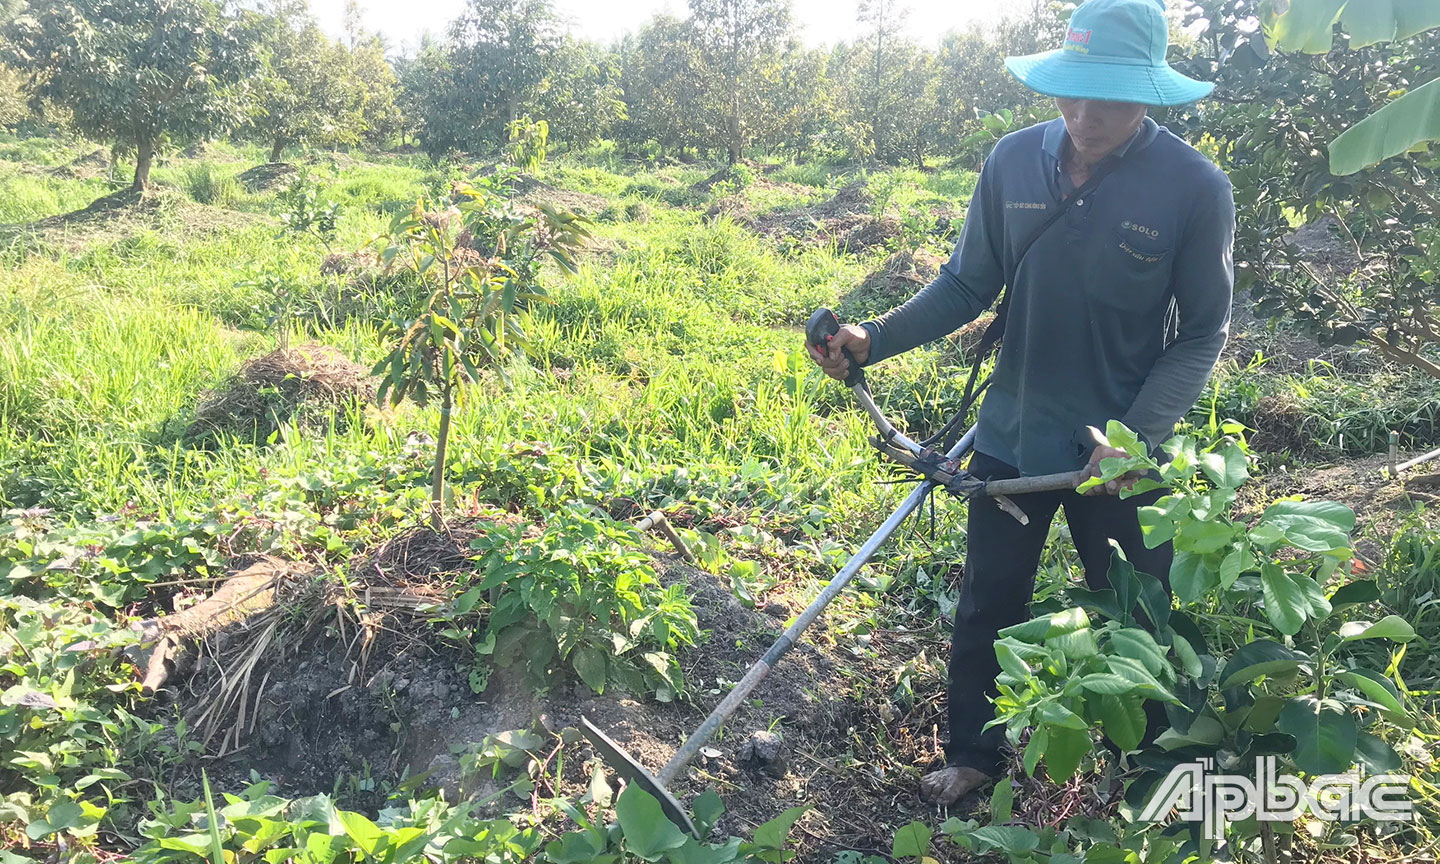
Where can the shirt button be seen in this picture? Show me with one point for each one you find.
(1080, 202)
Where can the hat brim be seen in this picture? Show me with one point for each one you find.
(1069, 76)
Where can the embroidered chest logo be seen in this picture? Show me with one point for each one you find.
(1142, 230)
(1077, 40)
(1026, 205)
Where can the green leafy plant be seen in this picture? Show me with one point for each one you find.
(580, 592)
(256, 826)
(528, 139)
(1284, 671)
(66, 727)
(642, 832)
(304, 209)
(481, 258)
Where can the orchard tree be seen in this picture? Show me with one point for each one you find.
(883, 20)
(380, 118)
(580, 98)
(738, 37)
(501, 53)
(797, 101)
(141, 72)
(305, 92)
(665, 87)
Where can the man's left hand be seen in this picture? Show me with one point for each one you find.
(1112, 487)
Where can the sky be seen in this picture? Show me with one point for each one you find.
(820, 21)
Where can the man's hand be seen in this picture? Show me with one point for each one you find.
(1112, 487)
(856, 338)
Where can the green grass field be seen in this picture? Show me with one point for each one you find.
(668, 373)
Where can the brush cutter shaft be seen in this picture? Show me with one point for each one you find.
(792, 633)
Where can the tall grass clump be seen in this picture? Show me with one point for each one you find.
(206, 184)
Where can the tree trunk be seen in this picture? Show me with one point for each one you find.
(875, 109)
(277, 150)
(732, 123)
(144, 155)
(437, 476)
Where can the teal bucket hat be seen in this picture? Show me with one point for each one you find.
(1114, 51)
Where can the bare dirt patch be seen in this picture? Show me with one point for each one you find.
(306, 383)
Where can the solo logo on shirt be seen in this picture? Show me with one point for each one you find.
(1140, 229)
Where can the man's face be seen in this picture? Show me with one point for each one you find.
(1097, 128)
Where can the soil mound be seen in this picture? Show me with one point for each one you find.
(852, 199)
(92, 164)
(266, 176)
(306, 384)
(358, 695)
(896, 280)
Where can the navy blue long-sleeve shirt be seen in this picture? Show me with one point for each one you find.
(1118, 311)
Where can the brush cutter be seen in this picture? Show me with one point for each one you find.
(936, 471)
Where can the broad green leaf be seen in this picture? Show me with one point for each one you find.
(1008, 839)
(1285, 603)
(1376, 687)
(1307, 25)
(1134, 670)
(1254, 659)
(1261, 718)
(1039, 740)
(1205, 537)
(1002, 801)
(1067, 747)
(1010, 662)
(1060, 717)
(1107, 683)
(1123, 720)
(1377, 756)
(1324, 733)
(648, 832)
(1353, 593)
(911, 841)
(1069, 621)
(1391, 627)
(1139, 645)
(1232, 565)
(707, 809)
(773, 834)
(1314, 526)
(577, 847)
(365, 834)
(1399, 126)
(1191, 577)
(590, 662)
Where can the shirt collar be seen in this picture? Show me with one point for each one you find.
(1055, 136)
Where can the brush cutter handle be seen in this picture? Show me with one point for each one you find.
(1061, 482)
(819, 330)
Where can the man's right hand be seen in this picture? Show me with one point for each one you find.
(851, 336)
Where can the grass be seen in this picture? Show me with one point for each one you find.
(667, 373)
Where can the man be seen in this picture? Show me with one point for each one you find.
(1119, 309)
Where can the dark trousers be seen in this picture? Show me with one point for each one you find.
(1000, 561)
